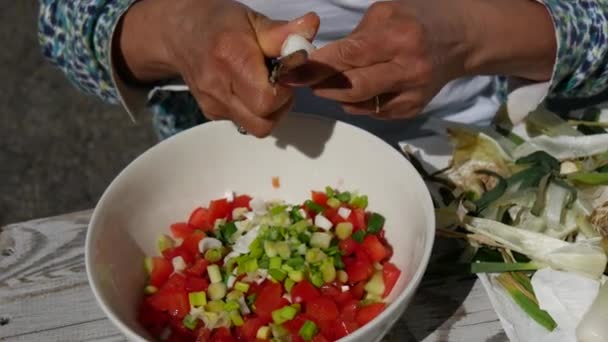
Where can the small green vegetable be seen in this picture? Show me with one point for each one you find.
(313, 206)
(333, 202)
(277, 274)
(359, 202)
(150, 290)
(359, 236)
(308, 331)
(236, 319)
(190, 322)
(197, 298)
(217, 291)
(284, 314)
(345, 197)
(213, 255)
(344, 230)
(231, 305)
(214, 273)
(589, 178)
(242, 287)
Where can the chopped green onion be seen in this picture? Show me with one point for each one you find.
(375, 285)
(308, 330)
(164, 242)
(359, 235)
(295, 216)
(270, 249)
(333, 203)
(344, 230)
(250, 266)
(275, 262)
(264, 262)
(329, 191)
(214, 273)
(328, 271)
(375, 223)
(197, 298)
(242, 287)
(236, 319)
(190, 322)
(284, 314)
(217, 291)
(213, 255)
(234, 295)
(148, 265)
(313, 206)
(345, 197)
(342, 276)
(150, 290)
(316, 278)
(333, 250)
(251, 299)
(231, 305)
(359, 202)
(289, 284)
(283, 249)
(215, 306)
(296, 276)
(226, 232)
(299, 226)
(589, 178)
(295, 262)
(277, 274)
(263, 333)
(499, 267)
(320, 240)
(304, 237)
(338, 263)
(315, 255)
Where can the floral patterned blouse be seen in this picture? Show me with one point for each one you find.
(76, 36)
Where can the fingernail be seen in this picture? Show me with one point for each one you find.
(305, 32)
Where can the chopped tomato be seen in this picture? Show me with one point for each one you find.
(241, 201)
(336, 294)
(276, 182)
(358, 290)
(348, 246)
(171, 253)
(250, 328)
(178, 328)
(374, 248)
(269, 298)
(360, 270)
(295, 324)
(218, 209)
(390, 275)
(304, 292)
(174, 302)
(357, 218)
(343, 328)
(161, 271)
(369, 312)
(181, 229)
(349, 310)
(175, 282)
(194, 284)
(319, 338)
(203, 335)
(319, 197)
(200, 219)
(333, 216)
(198, 268)
(322, 309)
(152, 319)
(222, 335)
(190, 243)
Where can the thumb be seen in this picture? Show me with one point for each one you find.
(271, 33)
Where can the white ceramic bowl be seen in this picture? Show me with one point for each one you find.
(165, 183)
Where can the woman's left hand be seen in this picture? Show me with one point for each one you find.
(401, 52)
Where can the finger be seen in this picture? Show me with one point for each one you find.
(405, 105)
(359, 84)
(272, 33)
(370, 106)
(255, 125)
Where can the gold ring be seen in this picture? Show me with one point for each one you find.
(377, 98)
(242, 130)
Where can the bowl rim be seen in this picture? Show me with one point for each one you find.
(391, 308)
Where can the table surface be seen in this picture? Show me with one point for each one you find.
(45, 296)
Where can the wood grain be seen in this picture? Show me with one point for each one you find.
(45, 296)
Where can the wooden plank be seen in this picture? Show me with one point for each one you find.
(45, 296)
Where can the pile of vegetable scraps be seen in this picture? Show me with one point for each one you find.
(533, 210)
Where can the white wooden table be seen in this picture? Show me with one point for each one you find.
(45, 296)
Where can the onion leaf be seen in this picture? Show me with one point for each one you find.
(589, 178)
(494, 194)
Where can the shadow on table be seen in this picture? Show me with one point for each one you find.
(437, 303)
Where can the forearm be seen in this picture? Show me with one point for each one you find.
(510, 37)
(139, 54)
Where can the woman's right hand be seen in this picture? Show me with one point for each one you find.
(219, 48)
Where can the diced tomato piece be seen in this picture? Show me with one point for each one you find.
(295, 324)
(319, 338)
(203, 335)
(242, 201)
(200, 218)
(360, 270)
(161, 271)
(322, 309)
(222, 335)
(336, 294)
(181, 229)
(175, 282)
(343, 328)
(198, 268)
(319, 197)
(357, 218)
(349, 310)
(194, 284)
(175, 302)
(153, 320)
(184, 334)
(348, 246)
(171, 253)
(190, 243)
(250, 328)
(333, 216)
(358, 290)
(390, 275)
(374, 248)
(218, 209)
(269, 298)
(303, 292)
(369, 312)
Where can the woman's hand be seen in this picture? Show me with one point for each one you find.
(404, 52)
(218, 47)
